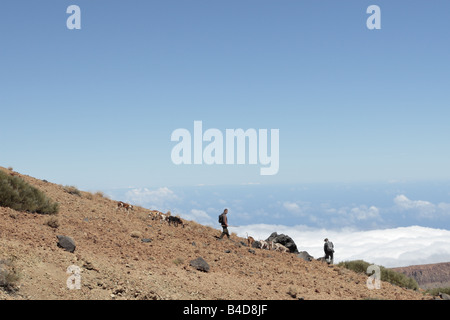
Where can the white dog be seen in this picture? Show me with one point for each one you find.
(265, 244)
(279, 247)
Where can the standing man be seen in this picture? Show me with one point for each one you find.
(328, 247)
(223, 220)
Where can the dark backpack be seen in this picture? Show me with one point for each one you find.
(330, 246)
(221, 218)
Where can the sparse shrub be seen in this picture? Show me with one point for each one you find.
(359, 266)
(52, 222)
(100, 194)
(142, 215)
(388, 275)
(89, 195)
(17, 194)
(72, 190)
(398, 279)
(9, 277)
(436, 291)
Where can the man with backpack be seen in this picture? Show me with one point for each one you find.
(328, 247)
(223, 220)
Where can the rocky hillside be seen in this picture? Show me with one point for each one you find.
(131, 256)
(428, 276)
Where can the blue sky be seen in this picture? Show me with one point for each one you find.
(363, 115)
(96, 107)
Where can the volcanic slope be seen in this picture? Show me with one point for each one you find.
(131, 256)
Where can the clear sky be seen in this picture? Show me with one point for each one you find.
(96, 107)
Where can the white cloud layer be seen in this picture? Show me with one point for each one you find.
(387, 247)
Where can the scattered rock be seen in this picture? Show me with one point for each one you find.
(136, 234)
(292, 292)
(88, 265)
(305, 256)
(200, 264)
(444, 296)
(146, 240)
(284, 240)
(67, 243)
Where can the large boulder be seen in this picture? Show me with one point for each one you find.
(200, 264)
(67, 243)
(284, 240)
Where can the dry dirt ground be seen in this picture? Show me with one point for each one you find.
(116, 264)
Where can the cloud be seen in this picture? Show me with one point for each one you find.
(393, 247)
(363, 212)
(444, 207)
(350, 216)
(291, 207)
(160, 199)
(295, 209)
(424, 208)
(198, 216)
(421, 208)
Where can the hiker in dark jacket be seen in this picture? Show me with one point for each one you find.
(328, 247)
(224, 223)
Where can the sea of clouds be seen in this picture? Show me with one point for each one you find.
(395, 247)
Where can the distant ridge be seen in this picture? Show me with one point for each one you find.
(428, 276)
